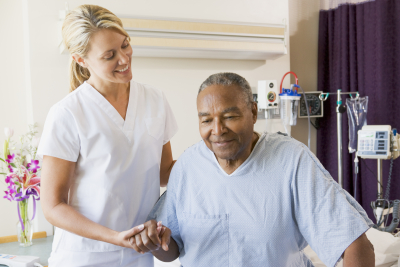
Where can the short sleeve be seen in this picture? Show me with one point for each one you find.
(171, 127)
(327, 216)
(60, 136)
(165, 208)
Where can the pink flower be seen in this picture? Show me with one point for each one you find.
(10, 158)
(8, 196)
(8, 179)
(14, 177)
(33, 166)
(10, 169)
(13, 188)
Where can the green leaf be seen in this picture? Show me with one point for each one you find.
(13, 165)
(3, 173)
(2, 160)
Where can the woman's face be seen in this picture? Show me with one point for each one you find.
(109, 57)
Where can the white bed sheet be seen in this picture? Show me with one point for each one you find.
(386, 246)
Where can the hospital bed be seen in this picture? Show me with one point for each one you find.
(386, 246)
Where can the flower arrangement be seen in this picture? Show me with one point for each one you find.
(22, 178)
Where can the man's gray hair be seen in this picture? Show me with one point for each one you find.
(228, 78)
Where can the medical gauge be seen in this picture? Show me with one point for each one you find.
(268, 98)
(315, 105)
(380, 142)
(268, 102)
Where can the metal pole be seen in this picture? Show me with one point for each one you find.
(380, 194)
(339, 138)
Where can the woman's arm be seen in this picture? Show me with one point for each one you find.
(56, 178)
(167, 162)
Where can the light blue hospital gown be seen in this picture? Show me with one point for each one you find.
(263, 214)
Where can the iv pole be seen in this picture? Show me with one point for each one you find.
(340, 109)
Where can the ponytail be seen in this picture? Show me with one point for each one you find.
(77, 75)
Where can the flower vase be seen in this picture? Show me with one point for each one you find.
(24, 225)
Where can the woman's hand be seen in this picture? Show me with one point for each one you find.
(154, 236)
(122, 238)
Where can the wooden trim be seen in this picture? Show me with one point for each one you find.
(14, 238)
(8, 239)
(38, 235)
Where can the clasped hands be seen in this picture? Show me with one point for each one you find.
(149, 236)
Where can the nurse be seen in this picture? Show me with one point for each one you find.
(105, 148)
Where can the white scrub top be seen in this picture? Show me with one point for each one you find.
(117, 176)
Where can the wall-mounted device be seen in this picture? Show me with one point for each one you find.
(279, 104)
(315, 105)
(268, 102)
(268, 98)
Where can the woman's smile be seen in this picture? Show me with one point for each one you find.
(124, 71)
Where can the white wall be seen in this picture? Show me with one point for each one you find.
(13, 110)
(179, 78)
(303, 25)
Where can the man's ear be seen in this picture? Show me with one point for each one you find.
(254, 110)
(80, 60)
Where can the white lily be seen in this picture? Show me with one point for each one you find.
(9, 132)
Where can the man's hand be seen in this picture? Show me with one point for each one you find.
(154, 236)
(360, 253)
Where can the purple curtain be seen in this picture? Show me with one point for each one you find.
(359, 50)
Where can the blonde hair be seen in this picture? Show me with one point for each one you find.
(79, 25)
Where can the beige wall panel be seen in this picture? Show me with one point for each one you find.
(207, 44)
(200, 27)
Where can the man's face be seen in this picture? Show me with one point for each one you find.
(226, 121)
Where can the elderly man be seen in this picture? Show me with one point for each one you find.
(238, 198)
